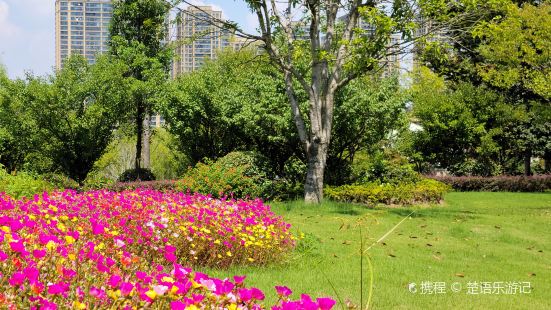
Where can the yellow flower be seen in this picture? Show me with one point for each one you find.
(64, 217)
(232, 307)
(228, 253)
(250, 259)
(72, 256)
(5, 229)
(151, 294)
(79, 305)
(50, 245)
(70, 239)
(174, 289)
(168, 279)
(192, 307)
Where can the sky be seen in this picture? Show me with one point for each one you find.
(27, 32)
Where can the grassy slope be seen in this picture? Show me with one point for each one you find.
(483, 236)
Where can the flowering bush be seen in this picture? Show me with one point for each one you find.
(124, 250)
(538, 183)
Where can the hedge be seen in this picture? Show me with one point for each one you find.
(424, 191)
(539, 183)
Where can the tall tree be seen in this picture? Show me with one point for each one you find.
(322, 53)
(508, 51)
(138, 38)
(75, 112)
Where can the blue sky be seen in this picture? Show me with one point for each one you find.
(27, 32)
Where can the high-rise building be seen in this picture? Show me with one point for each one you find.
(199, 38)
(82, 27)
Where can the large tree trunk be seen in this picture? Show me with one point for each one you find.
(146, 140)
(317, 159)
(140, 115)
(528, 162)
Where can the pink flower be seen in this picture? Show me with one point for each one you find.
(17, 246)
(257, 294)
(169, 256)
(39, 253)
(245, 294)
(114, 281)
(325, 303)
(239, 279)
(126, 288)
(3, 256)
(58, 288)
(177, 305)
(283, 291)
(17, 279)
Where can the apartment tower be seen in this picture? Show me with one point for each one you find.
(199, 38)
(82, 27)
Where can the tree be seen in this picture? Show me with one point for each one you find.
(335, 52)
(17, 131)
(138, 35)
(75, 112)
(463, 125)
(367, 112)
(505, 51)
(235, 102)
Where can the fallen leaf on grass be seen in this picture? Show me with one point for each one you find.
(531, 274)
(413, 237)
(437, 257)
(391, 255)
(384, 243)
(347, 242)
(428, 244)
(460, 275)
(498, 227)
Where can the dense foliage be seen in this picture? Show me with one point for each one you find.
(503, 52)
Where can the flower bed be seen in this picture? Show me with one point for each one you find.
(538, 183)
(120, 250)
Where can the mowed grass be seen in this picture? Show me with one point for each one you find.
(472, 237)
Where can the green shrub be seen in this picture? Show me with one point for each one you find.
(140, 174)
(96, 182)
(239, 174)
(384, 168)
(22, 184)
(424, 191)
(60, 181)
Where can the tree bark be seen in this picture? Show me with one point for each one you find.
(140, 113)
(146, 141)
(317, 159)
(528, 162)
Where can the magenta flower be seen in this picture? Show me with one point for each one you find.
(245, 294)
(239, 279)
(3, 256)
(126, 288)
(283, 291)
(325, 303)
(257, 294)
(39, 253)
(58, 288)
(114, 281)
(17, 279)
(17, 246)
(177, 305)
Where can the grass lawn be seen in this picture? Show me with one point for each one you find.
(472, 237)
